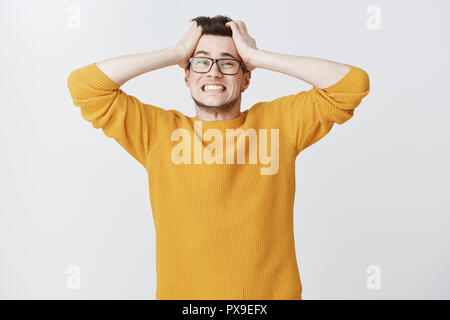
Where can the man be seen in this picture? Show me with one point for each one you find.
(224, 226)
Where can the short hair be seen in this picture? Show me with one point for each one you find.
(214, 26)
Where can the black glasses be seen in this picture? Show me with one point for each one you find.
(226, 66)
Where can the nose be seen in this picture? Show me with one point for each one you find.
(215, 69)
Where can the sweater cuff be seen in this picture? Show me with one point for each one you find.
(94, 78)
(356, 80)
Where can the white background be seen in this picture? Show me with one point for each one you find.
(374, 191)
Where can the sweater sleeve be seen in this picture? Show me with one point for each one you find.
(309, 115)
(134, 125)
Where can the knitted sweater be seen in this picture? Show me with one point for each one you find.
(221, 192)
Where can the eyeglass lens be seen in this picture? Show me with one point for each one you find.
(226, 66)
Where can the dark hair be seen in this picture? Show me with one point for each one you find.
(215, 26)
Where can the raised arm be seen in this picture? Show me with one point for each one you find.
(136, 126)
(320, 73)
(308, 115)
(121, 69)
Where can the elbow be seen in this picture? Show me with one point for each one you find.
(72, 84)
(362, 81)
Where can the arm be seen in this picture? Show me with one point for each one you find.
(137, 127)
(121, 69)
(309, 115)
(95, 89)
(318, 72)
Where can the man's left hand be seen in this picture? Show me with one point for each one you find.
(245, 44)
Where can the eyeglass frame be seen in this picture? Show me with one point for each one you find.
(241, 64)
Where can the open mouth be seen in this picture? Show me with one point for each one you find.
(214, 89)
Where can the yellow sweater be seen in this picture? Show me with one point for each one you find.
(224, 229)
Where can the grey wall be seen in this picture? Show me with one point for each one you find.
(373, 192)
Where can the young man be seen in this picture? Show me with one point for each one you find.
(222, 204)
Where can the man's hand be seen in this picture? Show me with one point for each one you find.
(188, 43)
(245, 44)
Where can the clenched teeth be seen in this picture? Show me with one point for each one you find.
(213, 88)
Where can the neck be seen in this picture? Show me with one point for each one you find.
(226, 112)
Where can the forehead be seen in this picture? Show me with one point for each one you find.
(216, 46)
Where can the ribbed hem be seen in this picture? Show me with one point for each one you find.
(356, 80)
(92, 76)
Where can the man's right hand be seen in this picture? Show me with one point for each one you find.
(188, 43)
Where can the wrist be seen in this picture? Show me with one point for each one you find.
(177, 54)
(254, 57)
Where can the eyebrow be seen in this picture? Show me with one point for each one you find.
(223, 54)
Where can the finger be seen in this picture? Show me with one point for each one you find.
(244, 27)
(195, 25)
(238, 26)
(232, 25)
(196, 29)
(241, 25)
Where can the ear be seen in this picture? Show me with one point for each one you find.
(246, 82)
